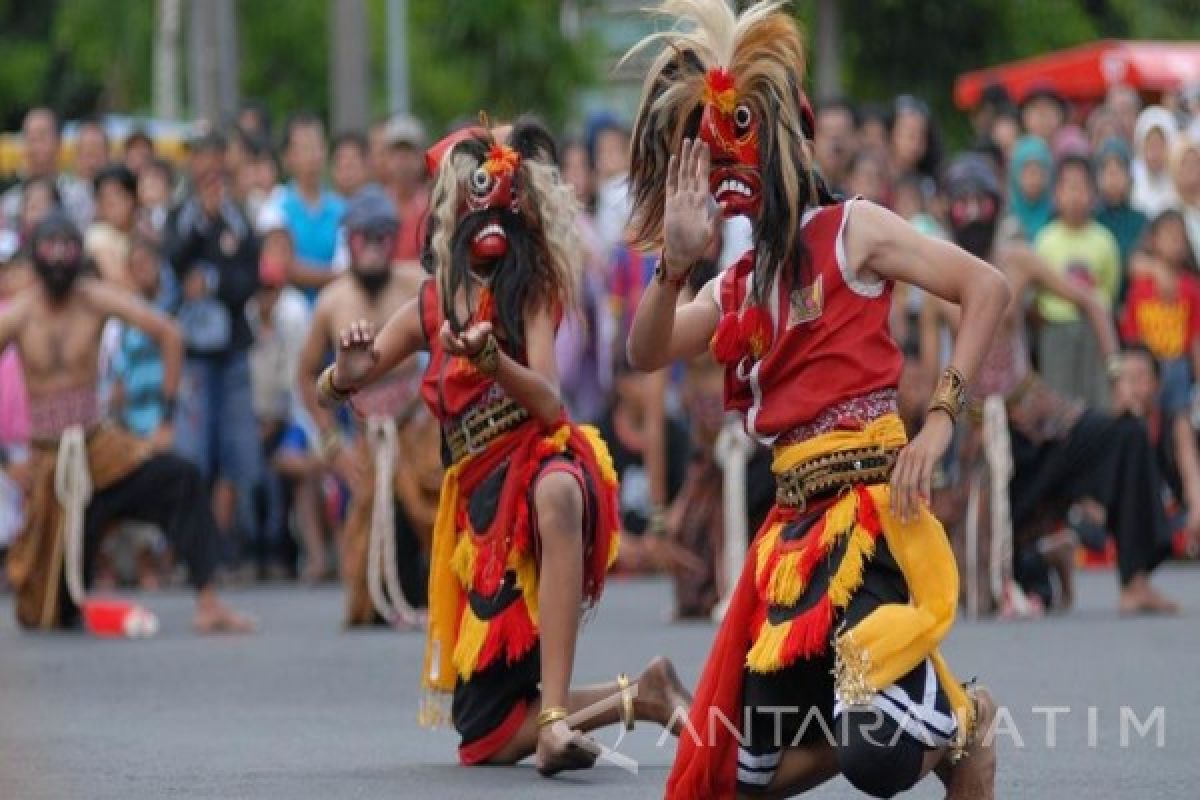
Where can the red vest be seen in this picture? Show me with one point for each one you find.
(831, 339)
(451, 385)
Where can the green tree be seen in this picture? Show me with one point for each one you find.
(502, 56)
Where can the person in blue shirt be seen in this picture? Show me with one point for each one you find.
(138, 365)
(312, 211)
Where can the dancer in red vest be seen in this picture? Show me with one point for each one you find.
(527, 523)
(827, 660)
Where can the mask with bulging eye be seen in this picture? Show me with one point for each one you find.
(730, 129)
(492, 187)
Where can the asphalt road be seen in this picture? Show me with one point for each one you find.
(304, 710)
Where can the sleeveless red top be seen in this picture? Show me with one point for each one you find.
(451, 384)
(829, 343)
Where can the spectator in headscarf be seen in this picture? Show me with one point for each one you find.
(1114, 183)
(1153, 139)
(1030, 200)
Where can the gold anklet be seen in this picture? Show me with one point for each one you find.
(549, 716)
(627, 713)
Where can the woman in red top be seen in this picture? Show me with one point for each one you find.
(527, 523)
(850, 584)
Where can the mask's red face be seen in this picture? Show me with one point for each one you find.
(730, 129)
(491, 187)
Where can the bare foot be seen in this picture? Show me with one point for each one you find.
(213, 616)
(559, 748)
(1139, 597)
(660, 693)
(973, 777)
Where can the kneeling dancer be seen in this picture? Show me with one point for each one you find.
(827, 660)
(527, 524)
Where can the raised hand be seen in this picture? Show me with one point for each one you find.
(356, 355)
(690, 218)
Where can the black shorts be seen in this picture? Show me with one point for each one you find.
(798, 705)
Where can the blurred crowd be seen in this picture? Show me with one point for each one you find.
(1109, 196)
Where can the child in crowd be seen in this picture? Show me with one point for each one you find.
(1030, 201)
(1114, 182)
(137, 401)
(1085, 252)
(1163, 308)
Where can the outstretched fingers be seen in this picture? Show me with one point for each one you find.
(672, 175)
(703, 164)
(359, 334)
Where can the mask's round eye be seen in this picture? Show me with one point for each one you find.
(481, 181)
(741, 117)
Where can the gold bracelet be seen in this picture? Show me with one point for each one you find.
(551, 715)
(328, 392)
(487, 360)
(951, 394)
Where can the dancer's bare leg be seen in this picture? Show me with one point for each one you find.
(973, 777)
(558, 501)
(660, 698)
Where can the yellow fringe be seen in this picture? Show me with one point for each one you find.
(614, 548)
(840, 519)
(766, 545)
(463, 561)
(527, 581)
(767, 653)
(786, 585)
(471, 634)
(559, 437)
(849, 576)
(600, 450)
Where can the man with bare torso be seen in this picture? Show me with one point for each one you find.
(391, 412)
(100, 471)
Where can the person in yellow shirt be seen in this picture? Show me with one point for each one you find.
(1085, 252)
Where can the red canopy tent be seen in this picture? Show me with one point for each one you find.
(1085, 73)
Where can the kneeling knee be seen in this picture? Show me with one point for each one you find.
(874, 759)
(559, 503)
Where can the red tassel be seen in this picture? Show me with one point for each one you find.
(809, 635)
(868, 514)
(814, 551)
(763, 578)
(726, 343)
(511, 633)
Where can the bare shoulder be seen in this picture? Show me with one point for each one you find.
(408, 279)
(100, 295)
(331, 295)
(16, 312)
(867, 225)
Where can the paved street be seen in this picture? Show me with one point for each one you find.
(304, 710)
